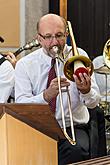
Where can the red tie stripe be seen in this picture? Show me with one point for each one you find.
(51, 76)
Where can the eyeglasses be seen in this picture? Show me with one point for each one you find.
(58, 36)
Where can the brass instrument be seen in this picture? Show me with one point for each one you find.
(27, 46)
(106, 53)
(71, 140)
(73, 65)
(77, 63)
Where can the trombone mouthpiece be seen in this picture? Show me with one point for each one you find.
(55, 49)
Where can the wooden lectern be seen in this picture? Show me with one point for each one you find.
(28, 135)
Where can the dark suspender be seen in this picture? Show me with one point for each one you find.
(2, 60)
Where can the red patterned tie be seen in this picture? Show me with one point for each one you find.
(51, 76)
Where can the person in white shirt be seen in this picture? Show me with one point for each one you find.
(6, 76)
(102, 75)
(31, 75)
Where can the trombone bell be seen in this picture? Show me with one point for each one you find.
(77, 64)
(106, 53)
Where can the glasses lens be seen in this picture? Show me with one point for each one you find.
(58, 36)
(48, 37)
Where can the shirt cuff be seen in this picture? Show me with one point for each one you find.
(87, 95)
(40, 98)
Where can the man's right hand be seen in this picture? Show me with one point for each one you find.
(53, 90)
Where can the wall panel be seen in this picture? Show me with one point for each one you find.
(10, 22)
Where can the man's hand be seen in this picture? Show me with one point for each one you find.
(84, 83)
(11, 57)
(53, 90)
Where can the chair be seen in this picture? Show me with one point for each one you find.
(97, 133)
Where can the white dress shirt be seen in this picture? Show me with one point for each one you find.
(6, 80)
(31, 75)
(102, 75)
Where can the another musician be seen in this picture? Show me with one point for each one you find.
(102, 74)
(31, 75)
(6, 76)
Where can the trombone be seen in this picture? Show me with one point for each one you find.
(74, 65)
(71, 140)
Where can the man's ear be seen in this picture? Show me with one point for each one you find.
(67, 31)
(38, 38)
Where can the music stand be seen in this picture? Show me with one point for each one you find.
(105, 71)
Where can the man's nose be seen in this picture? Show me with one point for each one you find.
(54, 39)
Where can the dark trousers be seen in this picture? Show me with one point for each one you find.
(90, 140)
(68, 153)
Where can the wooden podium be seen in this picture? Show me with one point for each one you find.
(28, 135)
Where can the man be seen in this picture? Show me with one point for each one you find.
(6, 76)
(102, 73)
(31, 76)
(102, 76)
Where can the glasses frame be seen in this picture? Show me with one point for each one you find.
(56, 36)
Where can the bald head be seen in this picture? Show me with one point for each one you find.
(51, 19)
(51, 31)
